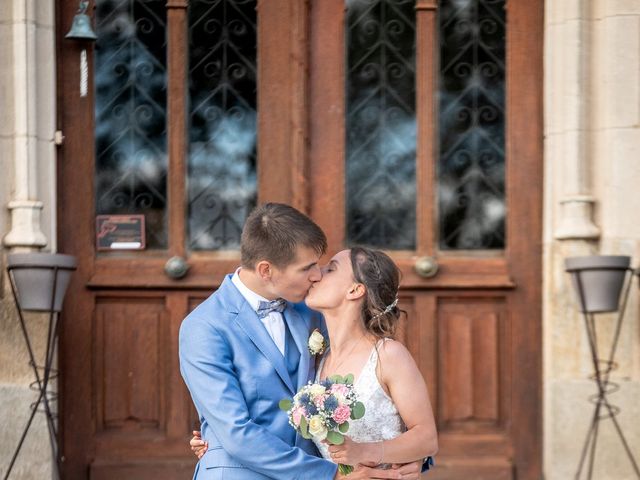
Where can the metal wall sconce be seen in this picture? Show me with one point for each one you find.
(38, 283)
(602, 284)
(81, 30)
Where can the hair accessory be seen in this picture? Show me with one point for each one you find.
(387, 309)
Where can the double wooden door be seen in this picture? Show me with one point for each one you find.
(409, 125)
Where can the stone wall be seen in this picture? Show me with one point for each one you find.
(27, 200)
(592, 173)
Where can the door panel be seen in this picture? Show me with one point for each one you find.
(472, 327)
(130, 347)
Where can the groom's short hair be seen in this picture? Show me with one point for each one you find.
(274, 231)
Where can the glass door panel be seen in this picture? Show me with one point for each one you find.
(381, 124)
(130, 113)
(222, 185)
(471, 119)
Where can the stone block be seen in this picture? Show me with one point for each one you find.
(45, 83)
(619, 189)
(608, 8)
(34, 461)
(6, 81)
(568, 418)
(617, 67)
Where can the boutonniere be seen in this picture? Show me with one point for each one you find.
(316, 343)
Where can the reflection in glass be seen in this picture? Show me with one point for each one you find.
(471, 167)
(222, 130)
(381, 123)
(130, 105)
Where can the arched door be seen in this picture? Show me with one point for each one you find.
(409, 125)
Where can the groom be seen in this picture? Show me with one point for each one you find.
(245, 348)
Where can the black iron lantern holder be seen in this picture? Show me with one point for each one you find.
(602, 368)
(44, 373)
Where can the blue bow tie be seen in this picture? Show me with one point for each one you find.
(265, 308)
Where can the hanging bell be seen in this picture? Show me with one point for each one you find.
(81, 26)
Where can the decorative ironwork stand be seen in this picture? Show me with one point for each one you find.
(44, 373)
(602, 370)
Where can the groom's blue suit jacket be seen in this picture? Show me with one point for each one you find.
(237, 376)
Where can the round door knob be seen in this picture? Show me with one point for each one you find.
(426, 267)
(176, 267)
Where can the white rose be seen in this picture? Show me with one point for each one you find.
(317, 428)
(316, 389)
(316, 342)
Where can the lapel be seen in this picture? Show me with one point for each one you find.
(248, 321)
(299, 331)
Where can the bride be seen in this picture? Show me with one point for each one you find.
(358, 298)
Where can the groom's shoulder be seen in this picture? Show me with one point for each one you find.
(215, 310)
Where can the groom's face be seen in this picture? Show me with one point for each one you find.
(294, 281)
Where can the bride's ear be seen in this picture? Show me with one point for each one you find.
(356, 291)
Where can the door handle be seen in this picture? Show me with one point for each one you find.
(426, 267)
(176, 268)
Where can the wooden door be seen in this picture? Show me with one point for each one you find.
(197, 110)
(442, 99)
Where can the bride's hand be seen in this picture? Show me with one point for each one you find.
(353, 453)
(198, 446)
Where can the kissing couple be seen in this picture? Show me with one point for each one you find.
(259, 338)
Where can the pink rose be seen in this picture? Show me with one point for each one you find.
(319, 401)
(341, 414)
(340, 389)
(296, 414)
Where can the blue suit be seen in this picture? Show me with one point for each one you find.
(237, 376)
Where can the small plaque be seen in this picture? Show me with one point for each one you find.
(120, 232)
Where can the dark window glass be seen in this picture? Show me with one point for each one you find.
(471, 166)
(221, 182)
(130, 112)
(381, 124)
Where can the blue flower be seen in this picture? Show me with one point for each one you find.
(326, 383)
(311, 408)
(331, 403)
(304, 399)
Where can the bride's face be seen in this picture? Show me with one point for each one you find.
(337, 281)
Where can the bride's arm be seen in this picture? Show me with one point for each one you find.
(403, 381)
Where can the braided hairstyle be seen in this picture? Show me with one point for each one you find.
(381, 277)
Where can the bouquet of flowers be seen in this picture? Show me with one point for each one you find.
(322, 411)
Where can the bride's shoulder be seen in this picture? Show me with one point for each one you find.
(391, 350)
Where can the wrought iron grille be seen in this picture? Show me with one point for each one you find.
(471, 166)
(381, 123)
(222, 117)
(130, 112)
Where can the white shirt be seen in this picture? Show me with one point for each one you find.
(273, 322)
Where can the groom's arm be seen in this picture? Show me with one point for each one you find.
(206, 366)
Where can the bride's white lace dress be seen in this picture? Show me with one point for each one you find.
(381, 420)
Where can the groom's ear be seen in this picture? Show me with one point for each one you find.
(264, 270)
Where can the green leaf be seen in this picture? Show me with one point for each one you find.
(357, 411)
(345, 469)
(304, 428)
(285, 404)
(336, 378)
(335, 438)
(349, 379)
(343, 427)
